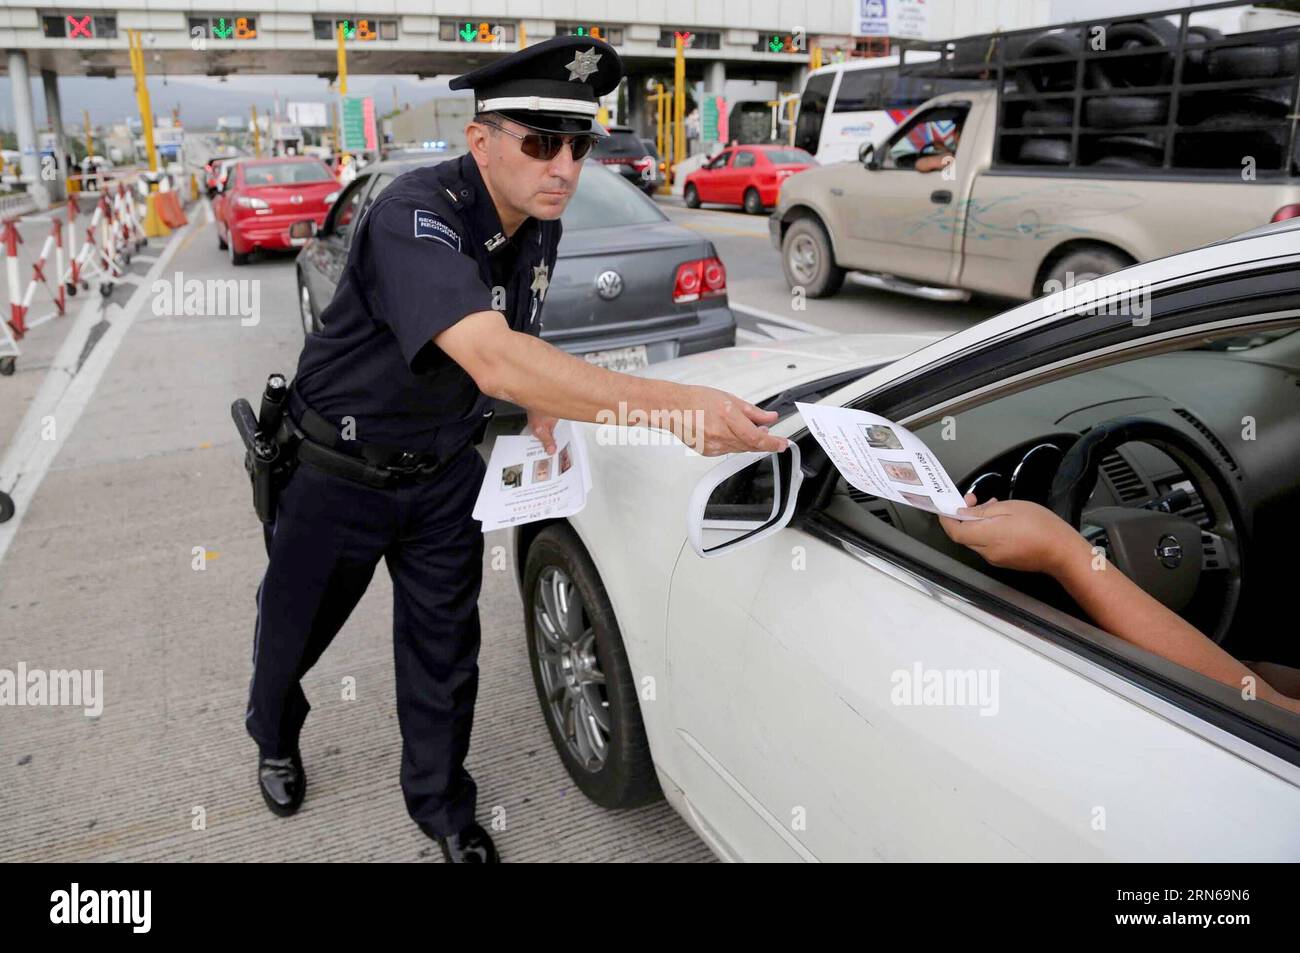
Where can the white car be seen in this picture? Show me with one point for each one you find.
(837, 680)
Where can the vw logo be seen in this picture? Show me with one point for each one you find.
(295, 200)
(609, 285)
(1169, 551)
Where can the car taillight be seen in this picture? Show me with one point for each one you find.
(1285, 212)
(246, 201)
(701, 278)
(644, 163)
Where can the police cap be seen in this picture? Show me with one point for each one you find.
(553, 86)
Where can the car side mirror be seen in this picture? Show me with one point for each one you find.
(747, 497)
(303, 230)
(867, 156)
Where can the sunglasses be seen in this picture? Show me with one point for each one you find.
(546, 145)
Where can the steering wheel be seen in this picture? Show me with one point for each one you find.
(1163, 553)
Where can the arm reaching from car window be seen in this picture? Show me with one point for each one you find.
(1017, 534)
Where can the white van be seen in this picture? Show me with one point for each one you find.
(862, 100)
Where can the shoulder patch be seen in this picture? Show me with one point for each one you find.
(430, 225)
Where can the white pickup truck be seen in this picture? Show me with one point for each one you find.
(1032, 185)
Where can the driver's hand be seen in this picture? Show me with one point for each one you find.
(1017, 534)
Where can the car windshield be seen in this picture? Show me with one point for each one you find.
(618, 144)
(604, 199)
(286, 173)
(778, 156)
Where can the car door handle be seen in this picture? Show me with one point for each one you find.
(941, 197)
(837, 191)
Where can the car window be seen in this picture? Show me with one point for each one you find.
(744, 160)
(781, 156)
(860, 90)
(620, 144)
(932, 132)
(285, 173)
(382, 181)
(349, 204)
(720, 160)
(606, 199)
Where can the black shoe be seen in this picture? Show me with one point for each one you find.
(471, 846)
(283, 783)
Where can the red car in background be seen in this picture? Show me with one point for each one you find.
(749, 176)
(263, 197)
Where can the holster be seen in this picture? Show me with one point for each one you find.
(269, 454)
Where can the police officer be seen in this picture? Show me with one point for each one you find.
(437, 315)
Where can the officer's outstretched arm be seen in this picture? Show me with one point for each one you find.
(525, 370)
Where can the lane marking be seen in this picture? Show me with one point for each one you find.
(67, 389)
(773, 318)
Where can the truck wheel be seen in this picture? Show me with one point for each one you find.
(1082, 264)
(585, 683)
(808, 261)
(1111, 111)
(691, 197)
(753, 201)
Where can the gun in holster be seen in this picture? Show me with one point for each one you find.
(268, 449)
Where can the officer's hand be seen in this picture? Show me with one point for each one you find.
(723, 423)
(543, 428)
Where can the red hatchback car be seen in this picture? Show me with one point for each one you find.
(749, 176)
(263, 197)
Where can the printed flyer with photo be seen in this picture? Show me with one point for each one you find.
(525, 483)
(885, 459)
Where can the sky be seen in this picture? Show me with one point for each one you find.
(203, 99)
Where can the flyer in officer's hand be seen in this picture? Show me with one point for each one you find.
(885, 459)
(525, 483)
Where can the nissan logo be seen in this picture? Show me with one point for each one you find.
(1169, 551)
(609, 285)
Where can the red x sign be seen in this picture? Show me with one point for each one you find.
(79, 27)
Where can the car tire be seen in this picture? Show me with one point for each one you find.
(623, 775)
(1246, 62)
(221, 242)
(1044, 151)
(1048, 115)
(691, 196)
(237, 258)
(1108, 112)
(808, 259)
(307, 310)
(1083, 264)
(753, 201)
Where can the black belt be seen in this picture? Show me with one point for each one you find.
(376, 465)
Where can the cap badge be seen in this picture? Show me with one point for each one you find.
(583, 64)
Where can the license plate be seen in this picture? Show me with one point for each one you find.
(620, 359)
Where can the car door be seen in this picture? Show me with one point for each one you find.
(742, 174)
(711, 185)
(330, 250)
(912, 226)
(801, 664)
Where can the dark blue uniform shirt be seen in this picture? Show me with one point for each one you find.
(428, 252)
